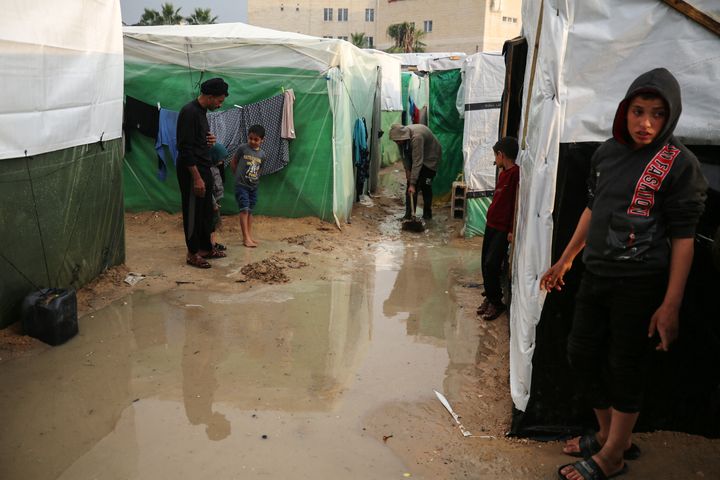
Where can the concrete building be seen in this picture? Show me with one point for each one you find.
(468, 26)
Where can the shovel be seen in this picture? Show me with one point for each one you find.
(413, 224)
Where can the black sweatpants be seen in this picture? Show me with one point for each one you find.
(424, 185)
(608, 347)
(494, 253)
(197, 211)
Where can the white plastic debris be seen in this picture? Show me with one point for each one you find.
(133, 278)
(446, 404)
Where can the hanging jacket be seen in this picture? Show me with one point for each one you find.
(167, 135)
(641, 198)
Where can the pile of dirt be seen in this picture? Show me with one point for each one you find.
(271, 270)
(310, 242)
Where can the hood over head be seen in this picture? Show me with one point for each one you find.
(398, 132)
(661, 82)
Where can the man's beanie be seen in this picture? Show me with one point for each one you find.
(508, 146)
(215, 86)
(398, 132)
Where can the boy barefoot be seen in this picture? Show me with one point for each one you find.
(646, 194)
(246, 166)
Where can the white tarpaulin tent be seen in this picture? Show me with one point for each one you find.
(478, 101)
(431, 61)
(253, 58)
(46, 49)
(582, 56)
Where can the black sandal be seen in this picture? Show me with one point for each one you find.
(220, 246)
(590, 470)
(589, 446)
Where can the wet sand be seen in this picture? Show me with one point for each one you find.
(312, 356)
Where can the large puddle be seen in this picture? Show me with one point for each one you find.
(273, 382)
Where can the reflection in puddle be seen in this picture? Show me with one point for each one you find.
(187, 383)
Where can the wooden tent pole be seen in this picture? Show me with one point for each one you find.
(697, 16)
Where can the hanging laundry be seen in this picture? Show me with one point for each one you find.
(267, 113)
(288, 121)
(361, 156)
(226, 128)
(141, 117)
(167, 136)
(411, 110)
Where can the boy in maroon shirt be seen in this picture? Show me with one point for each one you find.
(499, 227)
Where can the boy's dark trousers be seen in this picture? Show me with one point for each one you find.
(494, 252)
(424, 185)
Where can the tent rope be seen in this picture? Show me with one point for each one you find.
(37, 218)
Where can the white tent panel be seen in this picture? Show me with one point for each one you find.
(391, 81)
(645, 35)
(481, 94)
(62, 75)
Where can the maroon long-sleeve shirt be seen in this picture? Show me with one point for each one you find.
(501, 211)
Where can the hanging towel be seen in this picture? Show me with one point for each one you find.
(167, 135)
(141, 117)
(288, 123)
(361, 156)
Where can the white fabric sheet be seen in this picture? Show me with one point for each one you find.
(61, 75)
(483, 79)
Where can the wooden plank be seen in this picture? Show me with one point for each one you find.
(697, 16)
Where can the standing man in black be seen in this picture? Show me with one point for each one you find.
(194, 141)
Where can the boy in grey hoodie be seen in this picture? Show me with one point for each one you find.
(646, 195)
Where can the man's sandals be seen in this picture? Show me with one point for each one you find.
(589, 446)
(195, 260)
(590, 470)
(215, 253)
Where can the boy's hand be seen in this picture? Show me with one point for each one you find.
(665, 322)
(553, 278)
(510, 237)
(211, 140)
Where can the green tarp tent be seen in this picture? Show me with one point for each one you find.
(334, 84)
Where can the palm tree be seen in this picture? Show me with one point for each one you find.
(359, 39)
(149, 17)
(201, 16)
(169, 15)
(407, 38)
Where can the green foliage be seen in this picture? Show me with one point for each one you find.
(201, 16)
(169, 15)
(406, 37)
(359, 39)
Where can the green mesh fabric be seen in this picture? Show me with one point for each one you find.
(62, 220)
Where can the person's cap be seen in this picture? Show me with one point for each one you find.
(215, 86)
(398, 132)
(508, 146)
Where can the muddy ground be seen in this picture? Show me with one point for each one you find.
(399, 421)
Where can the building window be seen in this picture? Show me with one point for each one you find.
(495, 5)
(509, 19)
(343, 38)
(342, 14)
(370, 42)
(369, 14)
(327, 36)
(427, 26)
(327, 14)
(282, 7)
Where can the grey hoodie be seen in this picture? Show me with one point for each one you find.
(642, 198)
